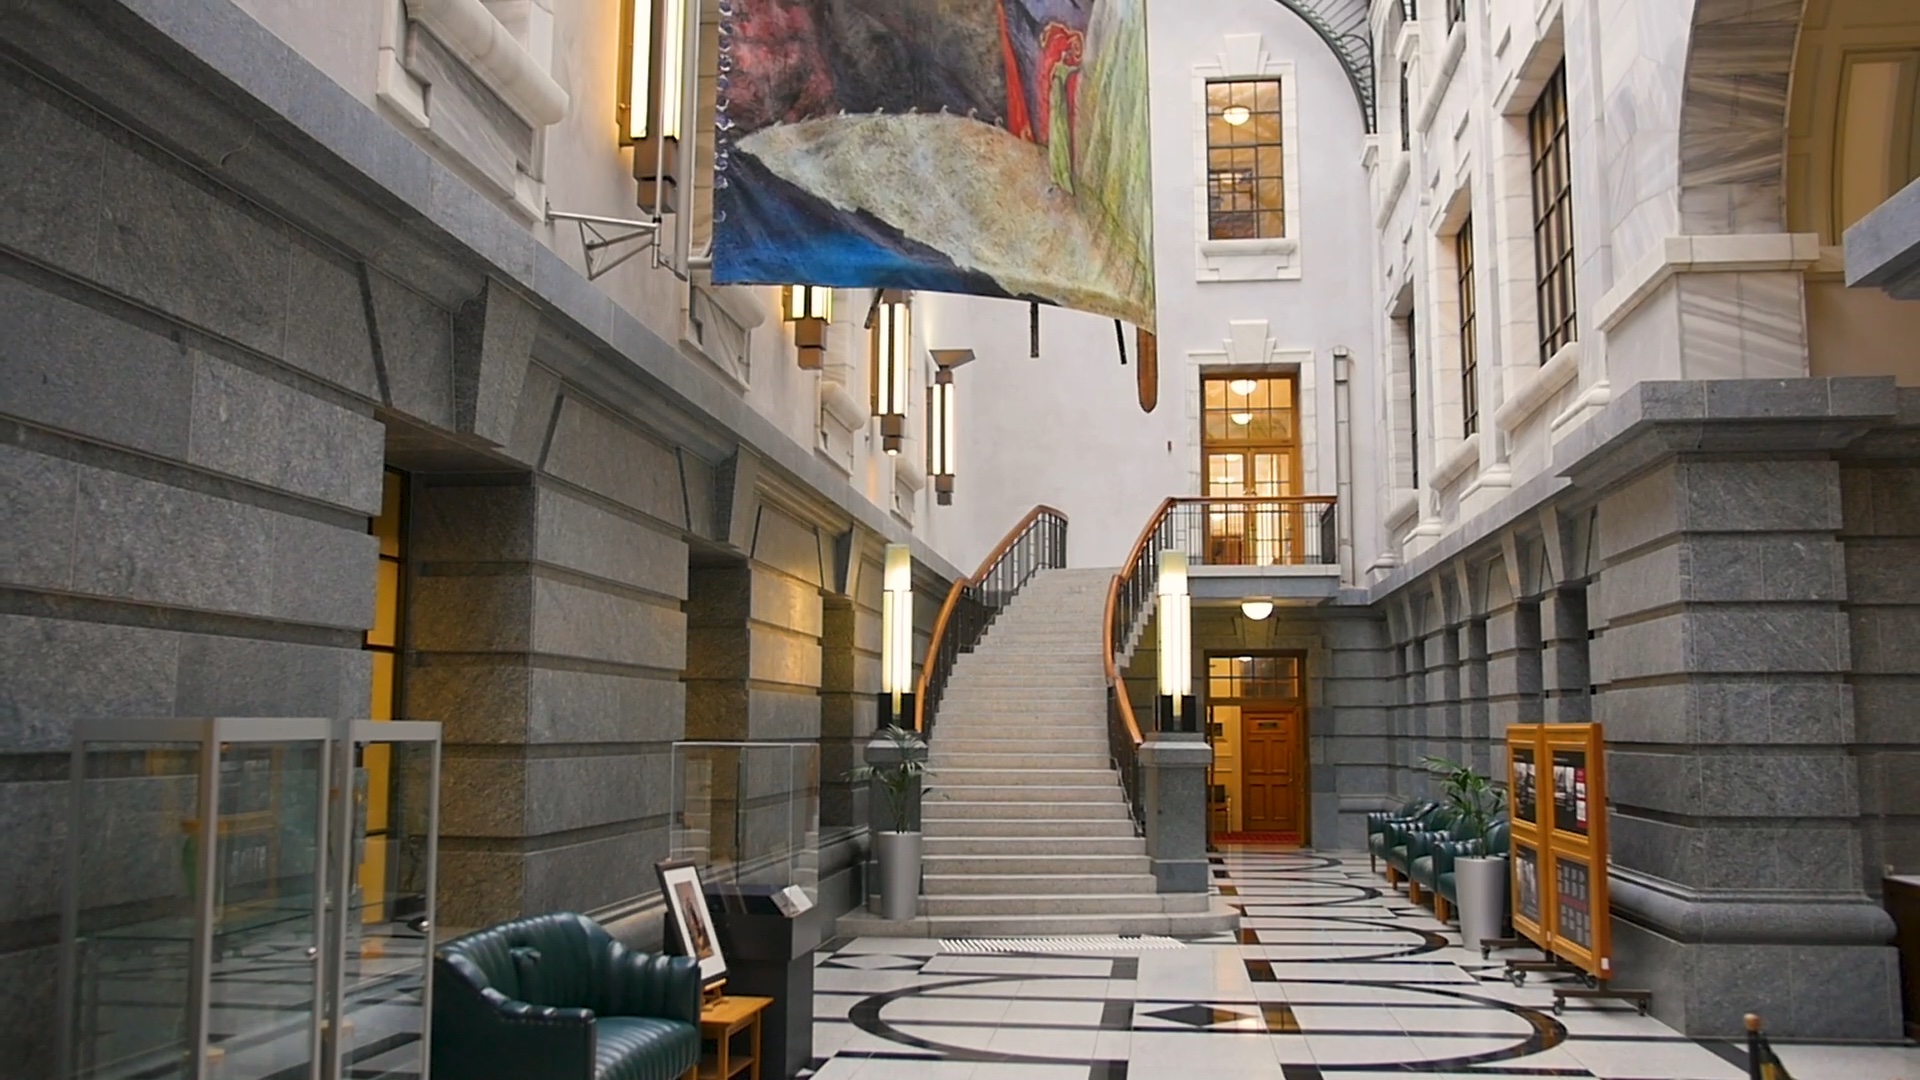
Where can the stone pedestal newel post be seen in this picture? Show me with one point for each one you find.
(1173, 786)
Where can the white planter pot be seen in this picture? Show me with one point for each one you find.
(1481, 884)
(899, 854)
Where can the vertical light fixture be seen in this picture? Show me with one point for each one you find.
(940, 417)
(809, 308)
(652, 94)
(896, 637)
(892, 324)
(1176, 709)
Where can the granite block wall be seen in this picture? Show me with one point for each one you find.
(1880, 531)
(1730, 727)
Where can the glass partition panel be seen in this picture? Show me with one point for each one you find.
(384, 896)
(133, 1008)
(192, 921)
(748, 814)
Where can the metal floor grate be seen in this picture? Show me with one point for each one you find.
(1096, 943)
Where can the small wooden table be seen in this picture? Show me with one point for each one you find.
(721, 1020)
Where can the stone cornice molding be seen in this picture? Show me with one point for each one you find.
(1560, 369)
(1708, 254)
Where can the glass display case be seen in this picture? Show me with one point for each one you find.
(195, 901)
(249, 899)
(748, 813)
(386, 825)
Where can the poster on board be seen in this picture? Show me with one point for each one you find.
(991, 147)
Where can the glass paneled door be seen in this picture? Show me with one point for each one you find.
(1251, 448)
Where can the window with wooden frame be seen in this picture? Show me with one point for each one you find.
(1469, 324)
(1250, 448)
(1552, 216)
(1246, 173)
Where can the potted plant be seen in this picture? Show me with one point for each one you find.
(1479, 875)
(902, 782)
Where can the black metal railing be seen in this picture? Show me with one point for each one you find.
(1251, 532)
(1038, 542)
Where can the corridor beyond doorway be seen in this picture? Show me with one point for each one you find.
(1257, 723)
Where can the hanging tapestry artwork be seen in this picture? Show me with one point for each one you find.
(992, 147)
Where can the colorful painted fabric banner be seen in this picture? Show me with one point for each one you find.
(992, 147)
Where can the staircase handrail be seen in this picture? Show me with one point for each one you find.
(1133, 588)
(1123, 729)
(1038, 542)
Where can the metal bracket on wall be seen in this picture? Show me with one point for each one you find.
(599, 235)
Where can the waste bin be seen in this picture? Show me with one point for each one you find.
(769, 933)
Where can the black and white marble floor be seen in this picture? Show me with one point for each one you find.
(1331, 975)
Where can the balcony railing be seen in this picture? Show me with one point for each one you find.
(1038, 542)
(1251, 532)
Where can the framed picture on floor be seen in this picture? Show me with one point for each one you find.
(690, 926)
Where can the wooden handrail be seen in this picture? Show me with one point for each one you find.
(1106, 627)
(953, 600)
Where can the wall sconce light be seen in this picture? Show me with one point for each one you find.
(896, 636)
(940, 416)
(1176, 709)
(1257, 610)
(809, 308)
(892, 325)
(652, 94)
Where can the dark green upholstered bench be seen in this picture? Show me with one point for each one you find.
(1430, 854)
(1400, 839)
(1378, 821)
(555, 997)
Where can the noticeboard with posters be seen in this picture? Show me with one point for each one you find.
(1557, 775)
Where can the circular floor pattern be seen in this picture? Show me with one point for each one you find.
(1361, 894)
(1430, 941)
(1546, 1032)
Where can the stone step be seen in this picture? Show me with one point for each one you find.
(1014, 738)
(1036, 885)
(1077, 865)
(955, 777)
(1022, 699)
(1051, 846)
(1142, 902)
(1001, 828)
(939, 758)
(961, 807)
(1003, 792)
(996, 743)
(1179, 924)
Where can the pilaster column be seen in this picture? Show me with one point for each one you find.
(1513, 666)
(1566, 680)
(1472, 638)
(1735, 826)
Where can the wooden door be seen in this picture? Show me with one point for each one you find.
(1270, 769)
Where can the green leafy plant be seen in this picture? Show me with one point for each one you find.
(1476, 798)
(900, 780)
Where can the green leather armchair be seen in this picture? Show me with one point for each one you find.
(555, 997)
(1498, 841)
(1428, 853)
(1400, 839)
(1378, 821)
